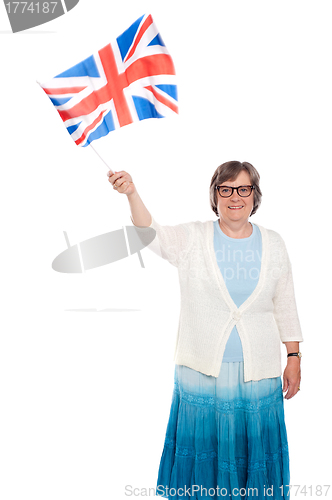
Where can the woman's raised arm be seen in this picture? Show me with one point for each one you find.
(123, 183)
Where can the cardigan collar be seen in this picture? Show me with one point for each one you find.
(237, 311)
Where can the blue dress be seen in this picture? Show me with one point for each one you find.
(227, 438)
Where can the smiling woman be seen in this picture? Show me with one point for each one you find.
(226, 427)
(239, 196)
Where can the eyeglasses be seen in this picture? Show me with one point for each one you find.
(227, 191)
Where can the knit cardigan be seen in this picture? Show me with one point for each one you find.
(208, 313)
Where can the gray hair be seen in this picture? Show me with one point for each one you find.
(229, 171)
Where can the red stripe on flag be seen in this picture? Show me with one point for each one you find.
(87, 130)
(163, 100)
(112, 90)
(116, 83)
(65, 90)
(148, 21)
(160, 64)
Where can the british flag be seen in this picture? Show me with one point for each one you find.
(131, 79)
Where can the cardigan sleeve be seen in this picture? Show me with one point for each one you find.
(285, 310)
(171, 242)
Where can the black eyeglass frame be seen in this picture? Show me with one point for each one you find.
(237, 190)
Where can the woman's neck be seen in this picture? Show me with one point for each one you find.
(236, 229)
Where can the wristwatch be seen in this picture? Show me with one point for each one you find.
(298, 354)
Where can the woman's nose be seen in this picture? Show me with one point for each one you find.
(235, 195)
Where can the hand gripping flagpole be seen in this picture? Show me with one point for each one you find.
(102, 159)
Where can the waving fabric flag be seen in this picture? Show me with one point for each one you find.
(131, 79)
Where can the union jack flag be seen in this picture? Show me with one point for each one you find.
(131, 79)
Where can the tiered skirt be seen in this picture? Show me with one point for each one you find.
(225, 438)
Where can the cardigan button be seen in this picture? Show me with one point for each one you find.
(236, 315)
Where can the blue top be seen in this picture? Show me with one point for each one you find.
(239, 261)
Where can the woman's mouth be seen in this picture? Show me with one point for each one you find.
(236, 207)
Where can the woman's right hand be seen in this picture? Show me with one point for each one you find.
(121, 182)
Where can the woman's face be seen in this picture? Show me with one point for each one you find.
(236, 208)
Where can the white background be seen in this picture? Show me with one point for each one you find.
(85, 396)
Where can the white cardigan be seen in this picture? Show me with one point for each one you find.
(208, 313)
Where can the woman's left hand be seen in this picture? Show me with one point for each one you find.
(292, 377)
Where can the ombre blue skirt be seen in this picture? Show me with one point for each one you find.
(225, 438)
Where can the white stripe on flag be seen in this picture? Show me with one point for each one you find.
(117, 56)
(88, 120)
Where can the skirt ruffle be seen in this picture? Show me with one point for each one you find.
(225, 438)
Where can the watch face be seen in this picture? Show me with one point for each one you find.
(300, 355)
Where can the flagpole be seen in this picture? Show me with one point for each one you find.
(109, 168)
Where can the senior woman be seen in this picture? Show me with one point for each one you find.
(226, 433)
